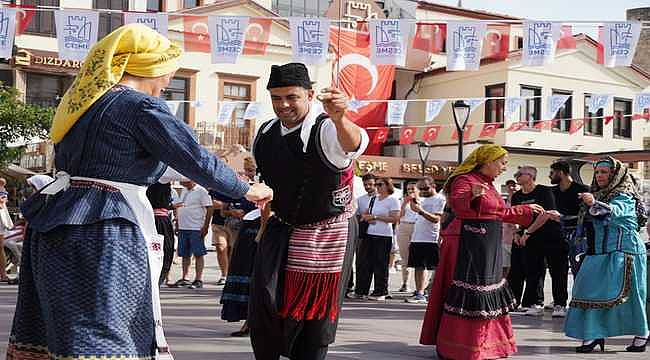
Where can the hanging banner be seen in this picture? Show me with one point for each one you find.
(431, 133)
(545, 124)
(76, 32)
(252, 110)
(407, 135)
(597, 102)
(474, 103)
(511, 107)
(464, 42)
(24, 16)
(226, 37)
(396, 111)
(466, 134)
(225, 112)
(641, 103)
(173, 106)
(381, 135)
(576, 125)
(433, 109)
(489, 130)
(7, 31)
(567, 41)
(554, 103)
(619, 42)
(540, 39)
(430, 37)
(310, 39)
(388, 40)
(496, 42)
(257, 36)
(156, 21)
(356, 105)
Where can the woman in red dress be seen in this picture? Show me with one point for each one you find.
(469, 298)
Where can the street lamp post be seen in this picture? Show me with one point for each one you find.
(424, 150)
(461, 116)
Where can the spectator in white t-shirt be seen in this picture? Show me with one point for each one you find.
(423, 251)
(194, 217)
(405, 230)
(375, 248)
(363, 202)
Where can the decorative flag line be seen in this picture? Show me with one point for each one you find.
(228, 37)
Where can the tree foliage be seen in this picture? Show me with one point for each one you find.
(20, 121)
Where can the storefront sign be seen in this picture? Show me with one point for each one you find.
(27, 58)
(400, 168)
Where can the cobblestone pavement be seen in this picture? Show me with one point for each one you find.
(368, 330)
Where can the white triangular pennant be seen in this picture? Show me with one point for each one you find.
(474, 103)
(395, 112)
(225, 112)
(252, 110)
(156, 21)
(388, 40)
(540, 39)
(464, 43)
(512, 105)
(227, 37)
(7, 32)
(555, 102)
(619, 42)
(597, 102)
(641, 102)
(310, 39)
(433, 109)
(173, 106)
(76, 32)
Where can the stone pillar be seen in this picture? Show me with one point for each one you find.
(642, 55)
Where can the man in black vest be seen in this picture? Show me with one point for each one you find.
(304, 256)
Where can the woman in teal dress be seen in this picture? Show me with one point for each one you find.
(609, 293)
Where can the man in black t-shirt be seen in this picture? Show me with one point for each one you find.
(543, 241)
(568, 204)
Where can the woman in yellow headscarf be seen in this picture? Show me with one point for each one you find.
(88, 284)
(467, 315)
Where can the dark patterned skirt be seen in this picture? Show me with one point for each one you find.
(84, 291)
(236, 292)
(479, 290)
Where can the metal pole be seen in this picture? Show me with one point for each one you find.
(461, 135)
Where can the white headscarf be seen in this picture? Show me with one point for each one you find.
(39, 181)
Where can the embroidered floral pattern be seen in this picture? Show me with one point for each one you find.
(483, 314)
(482, 288)
(474, 229)
(91, 184)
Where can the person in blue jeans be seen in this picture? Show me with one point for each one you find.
(194, 219)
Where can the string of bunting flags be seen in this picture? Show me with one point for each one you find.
(227, 38)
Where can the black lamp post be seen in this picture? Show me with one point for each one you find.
(461, 116)
(424, 150)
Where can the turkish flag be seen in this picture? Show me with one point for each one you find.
(24, 16)
(466, 135)
(608, 119)
(496, 43)
(196, 36)
(380, 136)
(567, 41)
(544, 124)
(360, 79)
(257, 36)
(576, 125)
(489, 130)
(407, 135)
(430, 37)
(516, 126)
(600, 48)
(431, 133)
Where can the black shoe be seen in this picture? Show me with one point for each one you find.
(640, 348)
(181, 283)
(585, 349)
(196, 284)
(241, 333)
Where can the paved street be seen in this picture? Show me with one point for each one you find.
(377, 331)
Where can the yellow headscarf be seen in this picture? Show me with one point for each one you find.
(481, 155)
(135, 49)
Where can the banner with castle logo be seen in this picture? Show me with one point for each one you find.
(619, 42)
(310, 40)
(76, 32)
(156, 21)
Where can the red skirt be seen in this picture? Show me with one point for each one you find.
(462, 338)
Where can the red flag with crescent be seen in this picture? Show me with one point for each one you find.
(466, 134)
(196, 36)
(380, 136)
(431, 133)
(407, 135)
(489, 130)
(567, 41)
(496, 42)
(257, 36)
(516, 126)
(24, 16)
(576, 125)
(430, 37)
(361, 80)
